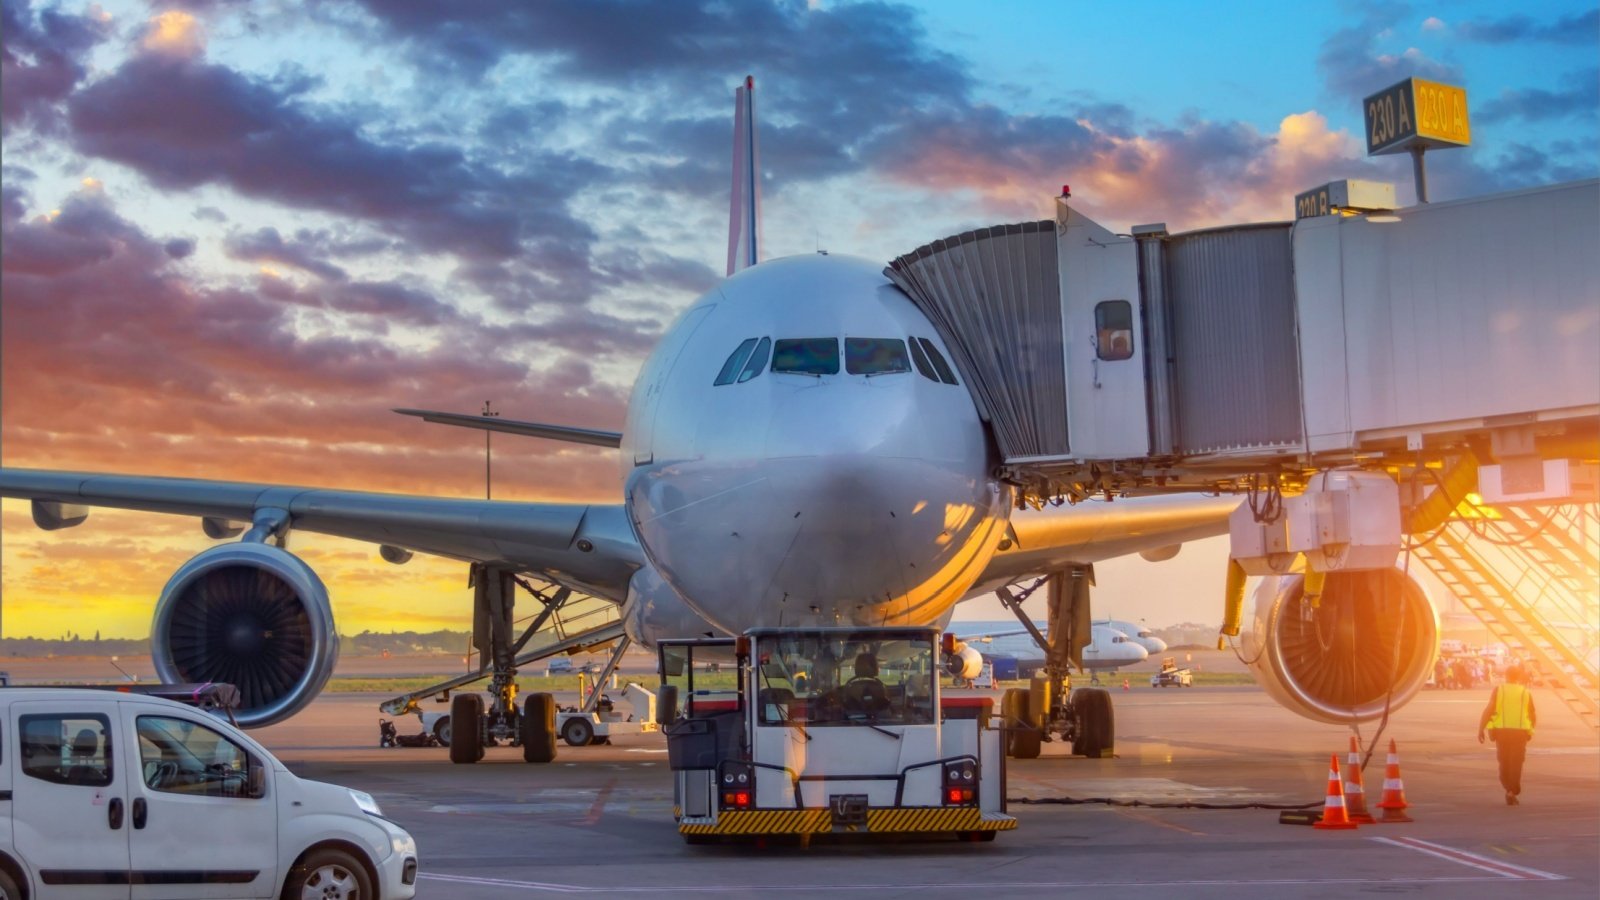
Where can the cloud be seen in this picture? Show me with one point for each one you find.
(1434, 23)
(266, 245)
(1353, 67)
(1578, 97)
(41, 60)
(1576, 29)
(187, 123)
(174, 33)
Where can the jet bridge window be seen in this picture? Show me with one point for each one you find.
(875, 356)
(806, 356)
(1113, 330)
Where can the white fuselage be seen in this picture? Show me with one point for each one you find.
(1136, 633)
(808, 499)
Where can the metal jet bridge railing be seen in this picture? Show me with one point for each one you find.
(1533, 577)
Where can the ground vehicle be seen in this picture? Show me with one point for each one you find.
(578, 726)
(1171, 675)
(560, 665)
(827, 730)
(111, 794)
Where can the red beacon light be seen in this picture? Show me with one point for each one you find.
(1066, 190)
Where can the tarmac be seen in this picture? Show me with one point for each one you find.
(598, 820)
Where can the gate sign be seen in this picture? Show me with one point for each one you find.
(1416, 114)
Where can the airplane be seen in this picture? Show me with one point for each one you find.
(797, 450)
(1108, 650)
(1138, 634)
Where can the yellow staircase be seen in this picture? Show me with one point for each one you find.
(1532, 575)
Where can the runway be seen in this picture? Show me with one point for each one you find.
(598, 820)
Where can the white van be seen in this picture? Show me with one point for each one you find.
(106, 794)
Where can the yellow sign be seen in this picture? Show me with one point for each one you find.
(1416, 113)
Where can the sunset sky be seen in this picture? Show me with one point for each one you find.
(236, 234)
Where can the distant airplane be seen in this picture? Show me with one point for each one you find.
(1109, 649)
(1139, 634)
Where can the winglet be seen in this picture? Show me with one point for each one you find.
(744, 207)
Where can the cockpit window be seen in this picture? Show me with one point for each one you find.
(875, 356)
(758, 361)
(806, 356)
(735, 363)
(921, 359)
(943, 368)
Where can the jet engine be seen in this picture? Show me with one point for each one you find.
(253, 616)
(1367, 641)
(966, 663)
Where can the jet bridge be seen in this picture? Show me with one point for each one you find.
(1430, 363)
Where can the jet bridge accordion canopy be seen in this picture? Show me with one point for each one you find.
(995, 296)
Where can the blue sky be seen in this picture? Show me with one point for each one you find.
(235, 234)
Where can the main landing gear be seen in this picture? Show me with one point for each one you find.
(1050, 705)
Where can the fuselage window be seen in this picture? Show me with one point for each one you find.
(806, 356)
(758, 361)
(1113, 330)
(875, 356)
(921, 359)
(946, 375)
(735, 363)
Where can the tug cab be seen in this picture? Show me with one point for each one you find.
(826, 731)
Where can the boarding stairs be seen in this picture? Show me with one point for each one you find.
(1532, 575)
(567, 622)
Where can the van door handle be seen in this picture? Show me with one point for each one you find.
(114, 813)
(140, 811)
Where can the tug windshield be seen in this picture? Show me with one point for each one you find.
(834, 678)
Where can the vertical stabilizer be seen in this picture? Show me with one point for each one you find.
(744, 209)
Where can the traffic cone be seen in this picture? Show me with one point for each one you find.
(1333, 812)
(1394, 791)
(1355, 793)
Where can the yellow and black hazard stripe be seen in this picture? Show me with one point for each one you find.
(903, 820)
(762, 821)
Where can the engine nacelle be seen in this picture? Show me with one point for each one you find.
(253, 616)
(966, 663)
(1370, 640)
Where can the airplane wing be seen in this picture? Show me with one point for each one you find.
(1043, 540)
(586, 547)
(525, 429)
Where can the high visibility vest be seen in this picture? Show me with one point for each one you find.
(1513, 708)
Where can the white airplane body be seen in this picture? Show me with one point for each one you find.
(1138, 634)
(797, 450)
(1108, 650)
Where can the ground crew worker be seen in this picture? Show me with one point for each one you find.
(1510, 718)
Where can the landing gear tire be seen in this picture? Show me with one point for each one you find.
(1096, 733)
(578, 732)
(441, 731)
(1026, 738)
(329, 873)
(8, 888)
(466, 728)
(538, 728)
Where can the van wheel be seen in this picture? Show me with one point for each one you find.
(441, 731)
(538, 728)
(331, 874)
(8, 888)
(466, 728)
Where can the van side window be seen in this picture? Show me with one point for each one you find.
(67, 749)
(946, 374)
(758, 361)
(183, 757)
(1113, 330)
(735, 363)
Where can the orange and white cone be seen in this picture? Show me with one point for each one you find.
(1333, 811)
(1355, 793)
(1394, 791)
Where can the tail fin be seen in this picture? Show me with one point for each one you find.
(744, 209)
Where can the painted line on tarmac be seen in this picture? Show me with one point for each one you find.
(753, 890)
(1487, 864)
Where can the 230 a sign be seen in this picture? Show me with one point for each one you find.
(1416, 113)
